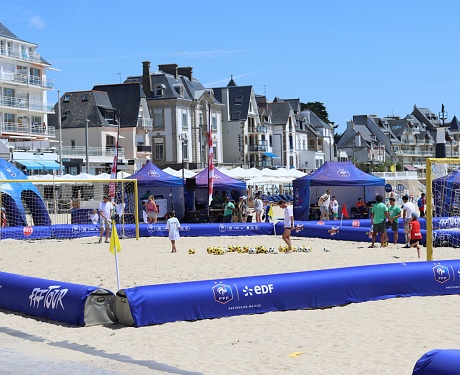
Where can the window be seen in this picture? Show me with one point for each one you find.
(8, 118)
(36, 120)
(235, 116)
(158, 118)
(72, 143)
(158, 151)
(110, 116)
(238, 99)
(66, 98)
(201, 119)
(184, 120)
(85, 98)
(214, 123)
(185, 149)
(110, 141)
(159, 90)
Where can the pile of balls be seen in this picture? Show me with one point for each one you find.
(218, 250)
(298, 249)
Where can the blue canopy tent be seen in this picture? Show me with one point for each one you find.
(15, 197)
(446, 194)
(151, 180)
(346, 182)
(221, 182)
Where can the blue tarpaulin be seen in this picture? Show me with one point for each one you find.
(438, 362)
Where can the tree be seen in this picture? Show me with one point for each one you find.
(318, 109)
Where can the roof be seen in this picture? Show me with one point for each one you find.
(239, 98)
(151, 175)
(221, 181)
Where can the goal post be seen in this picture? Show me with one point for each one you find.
(68, 206)
(442, 203)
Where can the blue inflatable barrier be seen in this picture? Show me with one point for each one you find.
(56, 300)
(438, 362)
(156, 304)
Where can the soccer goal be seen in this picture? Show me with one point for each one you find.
(66, 208)
(442, 203)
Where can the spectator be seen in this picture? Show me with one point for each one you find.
(361, 206)
(228, 208)
(173, 226)
(151, 209)
(258, 208)
(415, 233)
(3, 218)
(105, 216)
(395, 213)
(407, 209)
(378, 214)
(288, 224)
(421, 205)
(334, 208)
(241, 208)
(266, 210)
(324, 203)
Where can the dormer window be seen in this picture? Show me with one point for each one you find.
(238, 99)
(179, 89)
(160, 90)
(85, 98)
(66, 98)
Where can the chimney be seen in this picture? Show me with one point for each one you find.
(185, 71)
(169, 69)
(146, 79)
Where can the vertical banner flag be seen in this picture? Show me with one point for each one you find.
(113, 172)
(344, 211)
(210, 161)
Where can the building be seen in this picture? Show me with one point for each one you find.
(26, 138)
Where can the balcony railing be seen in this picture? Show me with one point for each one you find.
(145, 123)
(80, 151)
(20, 54)
(144, 149)
(24, 79)
(24, 103)
(258, 129)
(257, 148)
(28, 129)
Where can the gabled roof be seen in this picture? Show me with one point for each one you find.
(126, 98)
(6, 33)
(280, 112)
(455, 125)
(239, 98)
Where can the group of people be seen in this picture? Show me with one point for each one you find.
(328, 206)
(241, 210)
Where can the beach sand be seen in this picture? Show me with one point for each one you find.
(382, 337)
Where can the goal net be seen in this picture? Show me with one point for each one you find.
(442, 204)
(58, 208)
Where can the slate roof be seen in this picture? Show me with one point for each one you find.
(455, 125)
(126, 98)
(280, 112)
(239, 98)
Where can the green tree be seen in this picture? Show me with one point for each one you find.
(318, 109)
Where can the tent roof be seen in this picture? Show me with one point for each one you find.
(221, 181)
(151, 175)
(341, 174)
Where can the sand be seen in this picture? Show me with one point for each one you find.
(383, 337)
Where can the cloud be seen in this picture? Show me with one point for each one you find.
(225, 80)
(210, 54)
(37, 22)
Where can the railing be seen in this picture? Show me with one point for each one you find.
(28, 129)
(258, 129)
(25, 79)
(24, 103)
(144, 148)
(145, 123)
(80, 151)
(20, 54)
(257, 148)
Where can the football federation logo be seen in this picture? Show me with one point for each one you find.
(343, 173)
(441, 274)
(222, 293)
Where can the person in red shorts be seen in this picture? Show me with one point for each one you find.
(415, 233)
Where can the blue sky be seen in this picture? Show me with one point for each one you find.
(356, 57)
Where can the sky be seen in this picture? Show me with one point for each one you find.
(356, 57)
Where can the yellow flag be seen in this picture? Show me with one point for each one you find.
(270, 211)
(114, 240)
(393, 168)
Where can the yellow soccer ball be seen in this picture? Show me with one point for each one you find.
(191, 251)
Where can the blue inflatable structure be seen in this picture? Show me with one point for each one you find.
(156, 304)
(56, 300)
(438, 362)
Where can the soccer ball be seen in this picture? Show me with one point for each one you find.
(219, 251)
(326, 249)
(210, 250)
(271, 250)
(252, 250)
(307, 249)
(191, 251)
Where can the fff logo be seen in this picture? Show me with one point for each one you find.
(441, 274)
(222, 293)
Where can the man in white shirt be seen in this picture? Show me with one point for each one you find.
(325, 205)
(288, 224)
(105, 217)
(408, 207)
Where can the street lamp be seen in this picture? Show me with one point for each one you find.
(86, 142)
(61, 172)
(183, 140)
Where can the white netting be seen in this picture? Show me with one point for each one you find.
(65, 208)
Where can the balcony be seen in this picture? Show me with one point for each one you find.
(21, 54)
(144, 149)
(14, 128)
(80, 152)
(20, 78)
(145, 123)
(258, 148)
(24, 103)
(258, 129)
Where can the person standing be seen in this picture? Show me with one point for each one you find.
(324, 203)
(228, 208)
(241, 208)
(267, 210)
(288, 224)
(151, 209)
(258, 208)
(421, 203)
(415, 233)
(334, 208)
(395, 213)
(105, 216)
(378, 215)
(408, 208)
(173, 226)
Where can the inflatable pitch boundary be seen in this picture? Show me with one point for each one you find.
(59, 301)
(438, 361)
(188, 301)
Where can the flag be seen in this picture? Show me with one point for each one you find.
(114, 240)
(344, 211)
(270, 211)
(210, 165)
(113, 172)
(393, 168)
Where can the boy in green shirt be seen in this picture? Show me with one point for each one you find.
(378, 215)
(395, 213)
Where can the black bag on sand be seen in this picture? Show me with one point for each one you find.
(249, 219)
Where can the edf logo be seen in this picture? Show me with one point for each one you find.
(441, 274)
(258, 289)
(222, 293)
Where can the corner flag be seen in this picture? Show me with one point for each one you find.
(114, 240)
(344, 211)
